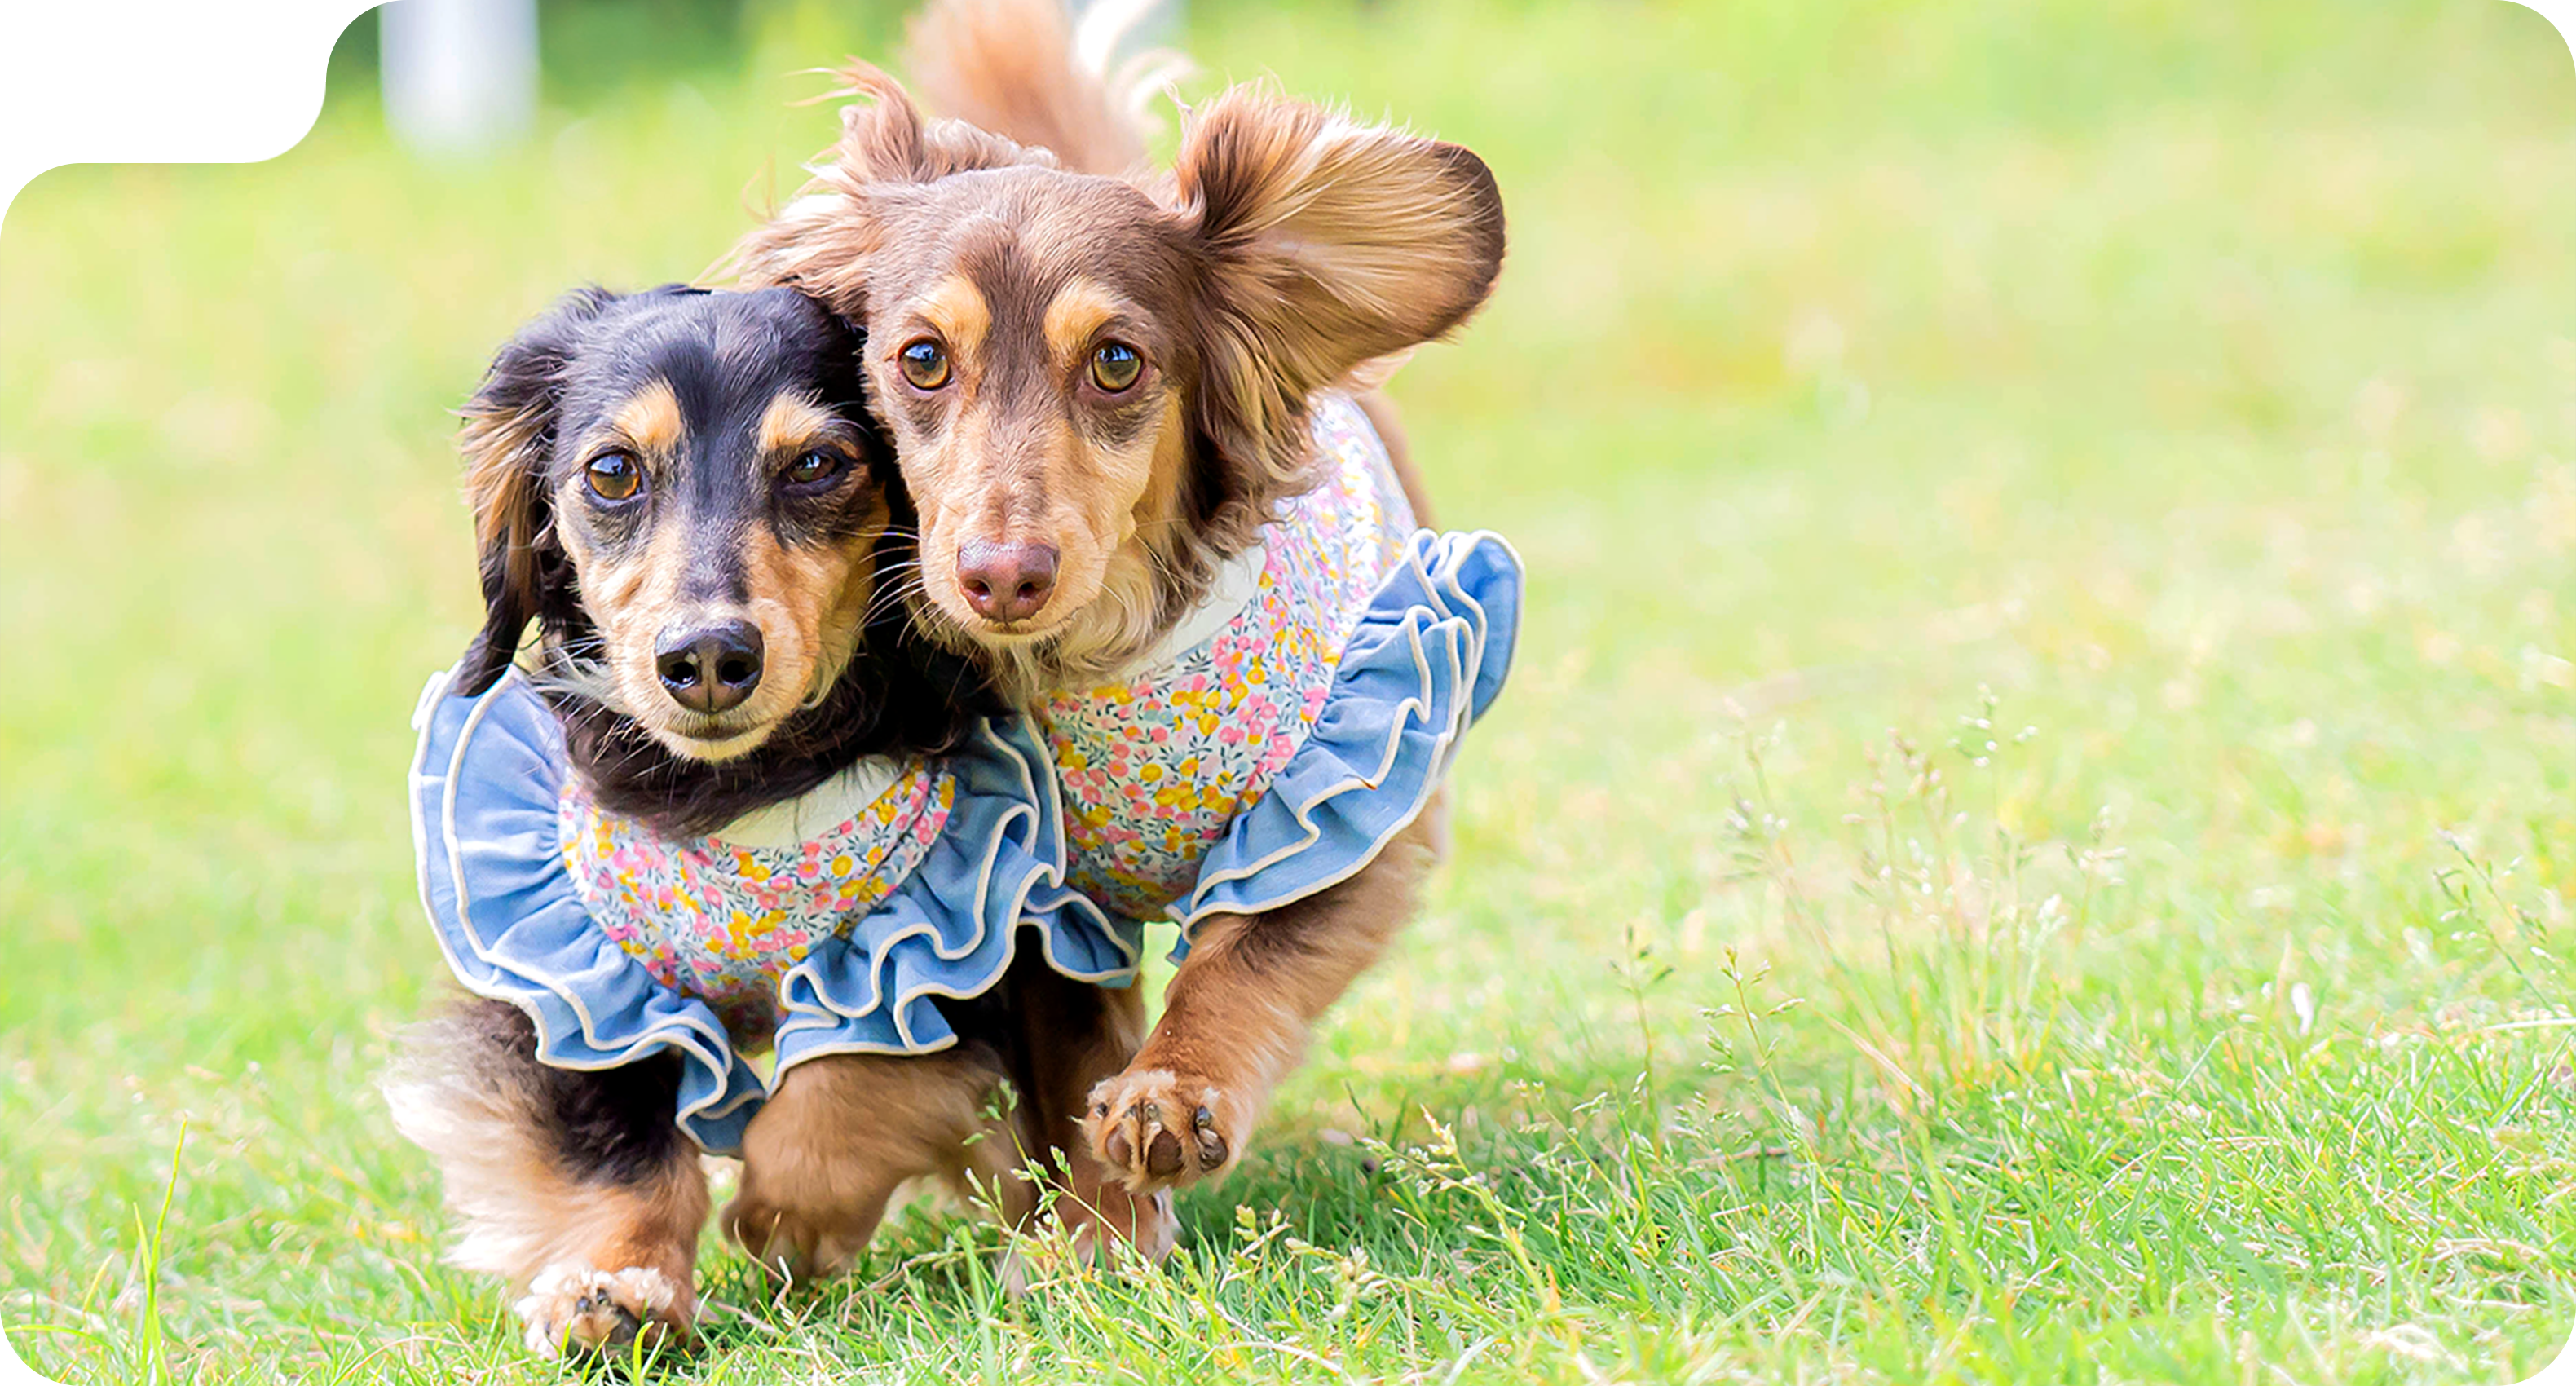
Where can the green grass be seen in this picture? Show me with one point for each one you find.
(2197, 379)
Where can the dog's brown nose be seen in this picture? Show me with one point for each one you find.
(1006, 582)
(710, 668)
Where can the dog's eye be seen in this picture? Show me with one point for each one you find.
(925, 364)
(614, 476)
(820, 465)
(1115, 366)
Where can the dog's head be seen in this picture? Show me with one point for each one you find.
(684, 490)
(1096, 387)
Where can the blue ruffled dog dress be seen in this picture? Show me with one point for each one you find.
(828, 924)
(1268, 749)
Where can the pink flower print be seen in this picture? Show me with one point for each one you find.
(725, 920)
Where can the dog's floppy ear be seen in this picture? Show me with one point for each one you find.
(1330, 243)
(509, 425)
(819, 241)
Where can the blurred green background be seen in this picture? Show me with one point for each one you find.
(2193, 385)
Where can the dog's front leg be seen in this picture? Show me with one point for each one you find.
(1236, 1017)
(574, 1185)
(840, 1135)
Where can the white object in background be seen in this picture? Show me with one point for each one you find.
(460, 76)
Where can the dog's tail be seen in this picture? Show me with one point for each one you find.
(1018, 69)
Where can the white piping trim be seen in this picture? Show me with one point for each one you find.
(1194, 908)
(1036, 778)
(690, 1037)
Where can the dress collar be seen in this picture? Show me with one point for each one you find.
(816, 811)
(1237, 582)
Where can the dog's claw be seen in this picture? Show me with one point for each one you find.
(581, 1314)
(1157, 1130)
(1212, 1146)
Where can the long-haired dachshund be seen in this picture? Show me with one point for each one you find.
(1154, 512)
(683, 493)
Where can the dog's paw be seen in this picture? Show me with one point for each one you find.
(1111, 1216)
(1161, 1130)
(803, 1244)
(574, 1311)
(1107, 1227)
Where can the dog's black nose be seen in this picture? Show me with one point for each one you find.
(1006, 582)
(711, 668)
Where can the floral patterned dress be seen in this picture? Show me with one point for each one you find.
(723, 919)
(829, 924)
(1279, 753)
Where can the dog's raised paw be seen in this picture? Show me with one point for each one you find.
(576, 1311)
(1164, 1130)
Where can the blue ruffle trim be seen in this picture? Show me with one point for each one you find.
(485, 786)
(951, 929)
(1426, 660)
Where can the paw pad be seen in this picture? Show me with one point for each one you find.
(1142, 1126)
(576, 1311)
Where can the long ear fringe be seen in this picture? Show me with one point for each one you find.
(1403, 233)
(1334, 248)
(509, 423)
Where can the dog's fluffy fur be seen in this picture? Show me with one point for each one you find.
(993, 258)
(579, 1188)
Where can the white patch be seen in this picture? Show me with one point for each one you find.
(1237, 583)
(818, 810)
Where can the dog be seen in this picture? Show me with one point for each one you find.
(1111, 393)
(683, 493)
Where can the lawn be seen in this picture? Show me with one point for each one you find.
(2031, 838)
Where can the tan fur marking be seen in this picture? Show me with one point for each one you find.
(791, 424)
(633, 602)
(808, 603)
(652, 420)
(1078, 311)
(1133, 502)
(957, 308)
(499, 478)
